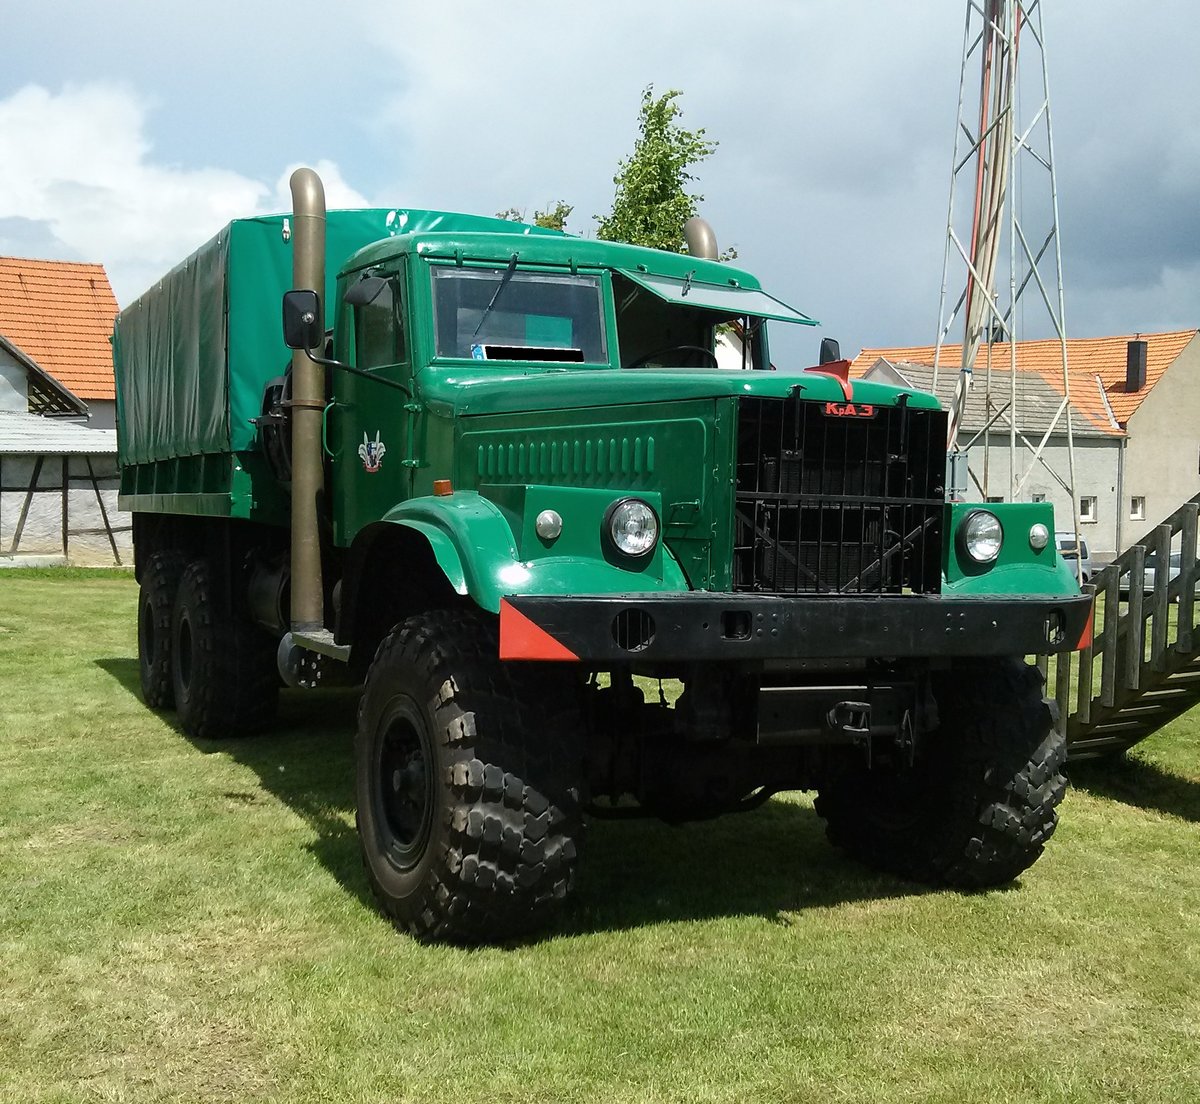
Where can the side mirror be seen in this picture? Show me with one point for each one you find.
(830, 350)
(302, 319)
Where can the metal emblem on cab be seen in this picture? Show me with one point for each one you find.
(371, 452)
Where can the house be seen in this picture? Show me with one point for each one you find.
(58, 441)
(1135, 403)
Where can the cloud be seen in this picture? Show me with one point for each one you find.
(78, 180)
(338, 193)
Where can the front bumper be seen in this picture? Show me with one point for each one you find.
(709, 627)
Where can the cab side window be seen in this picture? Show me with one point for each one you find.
(379, 337)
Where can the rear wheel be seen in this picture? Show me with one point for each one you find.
(222, 665)
(467, 783)
(978, 806)
(156, 600)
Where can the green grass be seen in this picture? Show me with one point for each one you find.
(187, 921)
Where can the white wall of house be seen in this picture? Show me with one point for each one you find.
(42, 532)
(14, 386)
(102, 413)
(1097, 462)
(1163, 461)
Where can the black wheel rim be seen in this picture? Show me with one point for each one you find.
(404, 785)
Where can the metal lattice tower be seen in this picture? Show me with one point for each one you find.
(1003, 222)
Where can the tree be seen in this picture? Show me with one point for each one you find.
(553, 218)
(652, 202)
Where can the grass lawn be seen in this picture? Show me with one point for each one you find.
(182, 920)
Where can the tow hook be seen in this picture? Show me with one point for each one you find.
(851, 717)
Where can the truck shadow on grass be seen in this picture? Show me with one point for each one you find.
(1140, 784)
(769, 863)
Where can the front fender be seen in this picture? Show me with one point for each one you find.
(475, 547)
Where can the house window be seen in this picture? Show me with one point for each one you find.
(1137, 508)
(1087, 508)
(1038, 496)
(994, 498)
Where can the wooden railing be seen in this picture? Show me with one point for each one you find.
(1143, 643)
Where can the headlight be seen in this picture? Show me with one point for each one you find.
(631, 526)
(981, 536)
(1039, 536)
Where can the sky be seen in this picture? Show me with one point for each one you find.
(131, 132)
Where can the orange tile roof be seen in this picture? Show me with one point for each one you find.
(60, 315)
(1087, 358)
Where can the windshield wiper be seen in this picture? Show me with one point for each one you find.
(508, 275)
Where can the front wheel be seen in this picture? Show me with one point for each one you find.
(467, 783)
(979, 804)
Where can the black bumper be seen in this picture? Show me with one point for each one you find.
(735, 627)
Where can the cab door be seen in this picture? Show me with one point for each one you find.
(368, 428)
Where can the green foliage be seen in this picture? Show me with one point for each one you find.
(554, 217)
(652, 201)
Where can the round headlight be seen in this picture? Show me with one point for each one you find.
(1039, 536)
(981, 535)
(632, 527)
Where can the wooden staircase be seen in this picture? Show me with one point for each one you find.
(1143, 666)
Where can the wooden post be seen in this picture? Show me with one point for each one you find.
(112, 540)
(33, 482)
(1062, 690)
(1135, 636)
(1083, 695)
(1161, 609)
(1187, 578)
(1112, 629)
(66, 496)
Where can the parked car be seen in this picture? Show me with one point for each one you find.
(1067, 550)
(1175, 567)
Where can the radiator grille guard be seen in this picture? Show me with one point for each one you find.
(838, 498)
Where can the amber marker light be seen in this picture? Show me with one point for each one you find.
(443, 487)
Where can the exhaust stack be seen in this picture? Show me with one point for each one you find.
(308, 403)
(701, 241)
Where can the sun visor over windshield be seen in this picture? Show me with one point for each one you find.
(726, 298)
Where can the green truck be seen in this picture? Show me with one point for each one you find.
(580, 569)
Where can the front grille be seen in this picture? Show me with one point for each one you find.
(838, 497)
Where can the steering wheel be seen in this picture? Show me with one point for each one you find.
(643, 360)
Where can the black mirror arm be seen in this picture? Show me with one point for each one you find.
(342, 367)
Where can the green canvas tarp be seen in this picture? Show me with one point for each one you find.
(194, 353)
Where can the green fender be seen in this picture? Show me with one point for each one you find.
(474, 546)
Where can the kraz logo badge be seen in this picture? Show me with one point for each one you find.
(371, 453)
(850, 410)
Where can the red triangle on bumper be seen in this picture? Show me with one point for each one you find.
(520, 638)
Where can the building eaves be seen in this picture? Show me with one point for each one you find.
(44, 377)
(31, 435)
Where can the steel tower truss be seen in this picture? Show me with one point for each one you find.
(1003, 221)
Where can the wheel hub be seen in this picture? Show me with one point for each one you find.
(405, 789)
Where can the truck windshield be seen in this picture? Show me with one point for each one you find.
(495, 314)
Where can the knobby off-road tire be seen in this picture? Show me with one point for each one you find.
(978, 806)
(156, 602)
(222, 667)
(468, 775)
